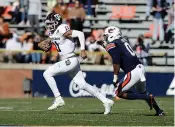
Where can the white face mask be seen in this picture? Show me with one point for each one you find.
(50, 25)
(105, 36)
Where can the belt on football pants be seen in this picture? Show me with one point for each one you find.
(68, 56)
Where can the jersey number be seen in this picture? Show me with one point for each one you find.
(57, 46)
(67, 28)
(128, 47)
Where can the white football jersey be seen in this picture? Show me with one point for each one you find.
(64, 45)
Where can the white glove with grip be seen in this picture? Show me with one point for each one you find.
(115, 79)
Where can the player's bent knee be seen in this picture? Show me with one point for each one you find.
(121, 94)
(81, 85)
(45, 74)
(118, 94)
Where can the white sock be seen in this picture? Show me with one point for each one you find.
(53, 86)
(95, 93)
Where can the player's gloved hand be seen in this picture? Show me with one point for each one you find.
(115, 80)
(100, 42)
(83, 54)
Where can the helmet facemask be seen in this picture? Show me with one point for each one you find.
(105, 42)
(50, 25)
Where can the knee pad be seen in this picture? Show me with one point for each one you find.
(82, 86)
(80, 82)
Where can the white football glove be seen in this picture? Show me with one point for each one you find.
(115, 79)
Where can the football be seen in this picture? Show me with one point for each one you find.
(45, 45)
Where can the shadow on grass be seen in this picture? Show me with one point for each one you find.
(87, 113)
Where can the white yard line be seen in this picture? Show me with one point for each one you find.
(15, 102)
(31, 110)
(6, 108)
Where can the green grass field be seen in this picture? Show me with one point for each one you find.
(83, 111)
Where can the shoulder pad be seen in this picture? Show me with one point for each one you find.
(110, 46)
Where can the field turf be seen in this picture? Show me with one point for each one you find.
(83, 112)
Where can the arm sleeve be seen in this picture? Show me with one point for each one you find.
(80, 35)
(115, 54)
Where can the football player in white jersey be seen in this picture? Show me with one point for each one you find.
(61, 36)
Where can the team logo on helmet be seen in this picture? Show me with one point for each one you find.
(57, 16)
(110, 30)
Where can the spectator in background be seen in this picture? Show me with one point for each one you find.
(171, 23)
(91, 5)
(14, 48)
(141, 50)
(4, 32)
(77, 16)
(62, 9)
(50, 5)
(24, 11)
(158, 12)
(148, 8)
(46, 58)
(15, 12)
(34, 14)
(7, 11)
(54, 57)
(2, 9)
(170, 2)
(27, 46)
(13, 45)
(95, 50)
(36, 56)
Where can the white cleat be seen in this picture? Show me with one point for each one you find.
(58, 102)
(108, 106)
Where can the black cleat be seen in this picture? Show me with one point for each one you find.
(160, 113)
(150, 101)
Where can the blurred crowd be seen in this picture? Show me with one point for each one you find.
(74, 12)
(159, 9)
(28, 13)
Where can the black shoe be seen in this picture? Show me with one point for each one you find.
(160, 113)
(150, 101)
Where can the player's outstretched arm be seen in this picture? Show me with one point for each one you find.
(80, 35)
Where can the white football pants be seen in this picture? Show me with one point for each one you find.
(72, 67)
(135, 78)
